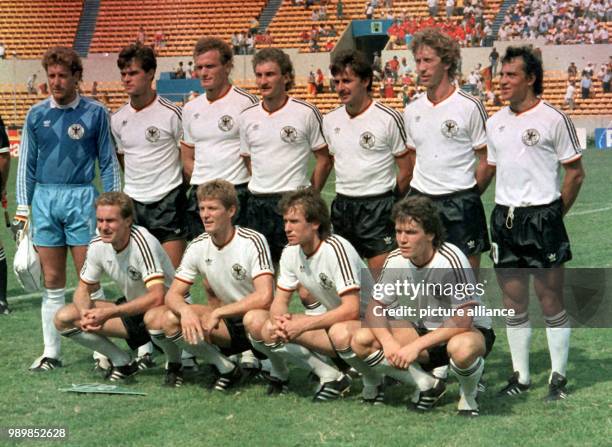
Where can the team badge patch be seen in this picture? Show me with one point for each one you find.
(530, 137)
(152, 134)
(449, 128)
(76, 131)
(289, 134)
(367, 140)
(325, 282)
(238, 272)
(226, 123)
(134, 274)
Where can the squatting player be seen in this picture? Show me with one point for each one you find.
(367, 140)
(390, 346)
(62, 138)
(211, 141)
(330, 269)
(138, 265)
(529, 141)
(237, 271)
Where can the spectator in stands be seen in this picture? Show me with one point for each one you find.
(339, 10)
(94, 89)
(312, 83)
(159, 39)
(319, 81)
(329, 45)
(141, 35)
(323, 12)
(369, 11)
(179, 73)
(2, 51)
(235, 43)
(43, 89)
(250, 44)
(450, 8)
(572, 71)
(241, 43)
(31, 84)
(605, 81)
(494, 60)
(377, 63)
(314, 16)
(394, 65)
(189, 70)
(569, 94)
(254, 25)
(332, 32)
(389, 92)
(585, 84)
(313, 45)
(432, 5)
(590, 69)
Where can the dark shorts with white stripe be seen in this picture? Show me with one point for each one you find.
(365, 222)
(536, 238)
(264, 216)
(165, 219)
(194, 221)
(463, 218)
(135, 327)
(438, 355)
(239, 341)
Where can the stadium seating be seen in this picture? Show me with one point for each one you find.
(29, 27)
(182, 22)
(14, 108)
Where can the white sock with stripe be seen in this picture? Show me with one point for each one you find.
(52, 301)
(468, 382)
(414, 375)
(518, 330)
(558, 333)
(370, 377)
(303, 356)
(206, 352)
(99, 343)
(278, 366)
(172, 351)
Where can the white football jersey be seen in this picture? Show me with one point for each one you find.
(333, 270)
(149, 141)
(440, 283)
(279, 144)
(528, 149)
(444, 136)
(138, 266)
(231, 269)
(212, 129)
(364, 147)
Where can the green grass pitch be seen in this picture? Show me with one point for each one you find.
(194, 416)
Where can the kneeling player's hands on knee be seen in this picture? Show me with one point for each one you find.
(405, 356)
(390, 349)
(211, 323)
(191, 326)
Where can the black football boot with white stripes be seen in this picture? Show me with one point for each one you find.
(557, 388)
(333, 390)
(426, 400)
(514, 387)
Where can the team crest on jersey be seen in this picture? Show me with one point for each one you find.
(501, 128)
(450, 128)
(152, 134)
(226, 123)
(367, 140)
(238, 272)
(417, 118)
(337, 130)
(531, 137)
(134, 274)
(289, 134)
(325, 282)
(76, 131)
(124, 123)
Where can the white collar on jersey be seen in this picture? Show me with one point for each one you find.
(71, 105)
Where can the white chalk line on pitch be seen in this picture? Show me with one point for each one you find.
(28, 296)
(582, 213)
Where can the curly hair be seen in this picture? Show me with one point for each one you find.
(445, 47)
(63, 56)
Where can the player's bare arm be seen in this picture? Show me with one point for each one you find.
(187, 159)
(323, 166)
(572, 181)
(405, 166)
(484, 171)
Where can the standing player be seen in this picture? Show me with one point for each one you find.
(276, 139)
(367, 140)
(446, 132)
(237, 272)
(458, 340)
(147, 132)
(62, 138)
(528, 143)
(135, 260)
(5, 164)
(330, 269)
(211, 141)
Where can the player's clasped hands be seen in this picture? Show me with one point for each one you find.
(211, 323)
(404, 357)
(287, 328)
(93, 319)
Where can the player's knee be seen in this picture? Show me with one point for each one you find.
(340, 335)
(253, 321)
(362, 342)
(64, 318)
(267, 332)
(464, 350)
(153, 318)
(171, 323)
